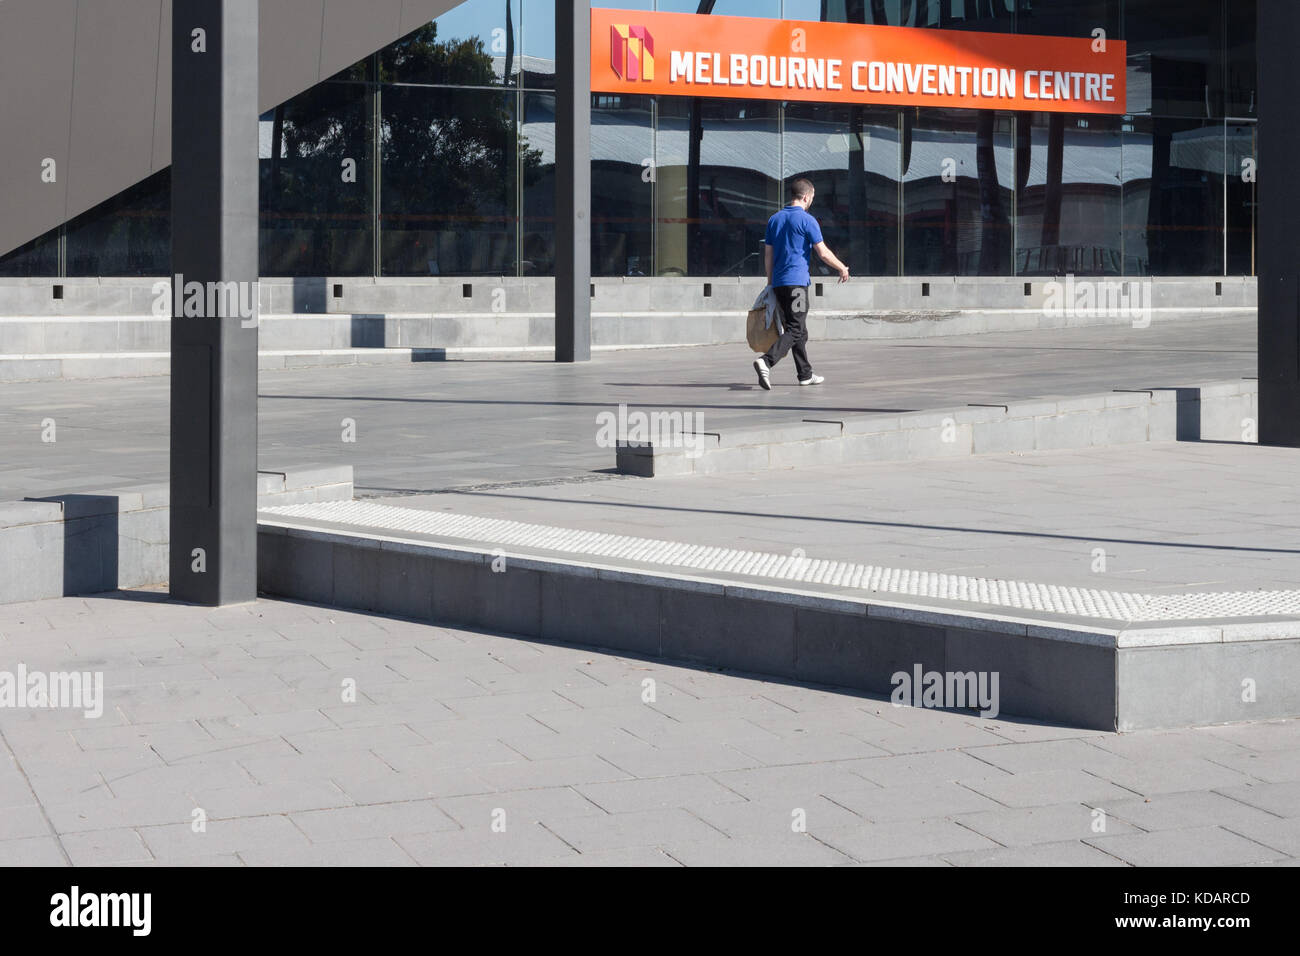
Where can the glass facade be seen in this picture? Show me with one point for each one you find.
(436, 156)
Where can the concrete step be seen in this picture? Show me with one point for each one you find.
(1086, 657)
(35, 347)
(660, 444)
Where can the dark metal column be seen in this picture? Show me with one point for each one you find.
(572, 180)
(214, 272)
(1279, 210)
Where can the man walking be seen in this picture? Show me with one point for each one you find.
(791, 233)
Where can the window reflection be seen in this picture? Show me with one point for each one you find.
(988, 16)
(1243, 200)
(40, 257)
(851, 155)
(317, 176)
(957, 178)
(1173, 197)
(1175, 57)
(449, 178)
(130, 235)
(1069, 204)
(718, 170)
(623, 182)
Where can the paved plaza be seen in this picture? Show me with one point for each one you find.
(289, 733)
(470, 748)
(436, 425)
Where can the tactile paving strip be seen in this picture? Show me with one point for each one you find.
(799, 569)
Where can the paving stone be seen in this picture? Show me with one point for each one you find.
(797, 850)
(668, 762)
(1043, 787)
(253, 799)
(791, 783)
(105, 847)
(1067, 853)
(916, 769)
(1029, 826)
(1069, 754)
(624, 856)
(32, 851)
(1172, 776)
(21, 822)
(763, 821)
(268, 834)
(1174, 811)
(690, 792)
(1199, 846)
(1271, 766)
(375, 851)
(375, 820)
(528, 844)
(551, 773)
(661, 828)
(1282, 799)
(938, 798)
(543, 805)
(897, 839)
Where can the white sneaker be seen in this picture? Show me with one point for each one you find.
(813, 380)
(764, 375)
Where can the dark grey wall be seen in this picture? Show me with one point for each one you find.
(87, 84)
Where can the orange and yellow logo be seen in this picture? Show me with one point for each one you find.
(631, 52)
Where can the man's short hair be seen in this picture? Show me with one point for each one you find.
(800, 188)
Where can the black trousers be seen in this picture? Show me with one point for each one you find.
(792, 301)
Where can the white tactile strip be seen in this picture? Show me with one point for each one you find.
(796, 568)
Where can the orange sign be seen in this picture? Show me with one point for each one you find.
(685, 54)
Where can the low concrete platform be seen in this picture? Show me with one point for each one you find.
(1086, 657)
(89, 542)
(1216, 411)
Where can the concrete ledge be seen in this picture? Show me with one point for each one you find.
(534, 295)
(1074, 673)
(90, 542)
(105, 328)
(1218, 411)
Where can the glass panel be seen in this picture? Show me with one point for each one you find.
(473, 44)
(1175, 57)
(1241, 79)
(317, 208)
(1173, 197)
(1069, 204)
(957, 180)
(851, 155)
(990, 16)
(622, 186)
(40, 257)
(1243, 201)
(449, 173)
(1070, 18)
(537, 169)
(724, 8)
(718, 170)
(130, 235)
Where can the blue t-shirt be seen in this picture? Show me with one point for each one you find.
(791, 233)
